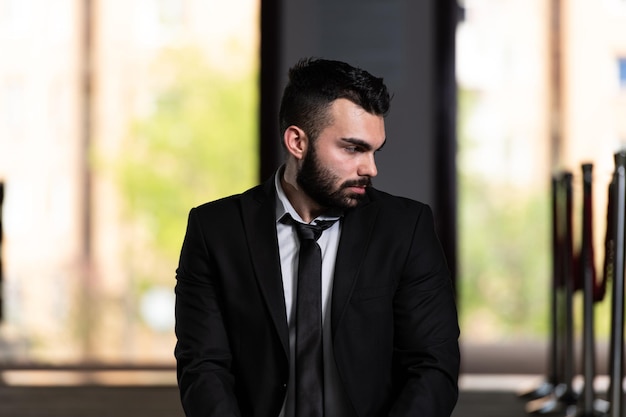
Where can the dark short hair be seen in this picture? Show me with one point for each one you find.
(315, 83)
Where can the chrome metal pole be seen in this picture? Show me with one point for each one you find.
(616, 362)
(588, 275)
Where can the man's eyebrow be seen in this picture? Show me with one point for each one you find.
(363, 144)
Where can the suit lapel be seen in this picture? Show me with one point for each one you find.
(355, 237)
(259, 217)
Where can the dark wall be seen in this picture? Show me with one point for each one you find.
(392, 39)
(411, 45)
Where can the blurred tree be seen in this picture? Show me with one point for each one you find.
(504, 250)
(197, 143)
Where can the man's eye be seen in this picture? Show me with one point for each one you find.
(352, 149)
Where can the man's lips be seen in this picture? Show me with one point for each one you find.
(358, 189)
(363, 183)
(358, 186)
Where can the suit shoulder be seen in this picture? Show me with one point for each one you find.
(225, 204)
(219, 206)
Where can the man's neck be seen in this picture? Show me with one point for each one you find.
(306, 207)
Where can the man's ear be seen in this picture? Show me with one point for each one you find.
(296, 141)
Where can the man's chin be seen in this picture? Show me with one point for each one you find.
(353, 200)
(342, 201)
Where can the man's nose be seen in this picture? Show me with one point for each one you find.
(368, 167)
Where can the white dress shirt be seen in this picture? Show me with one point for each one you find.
(335, 399)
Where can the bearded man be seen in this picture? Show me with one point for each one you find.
(314, 294)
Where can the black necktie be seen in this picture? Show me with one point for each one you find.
(309, 359)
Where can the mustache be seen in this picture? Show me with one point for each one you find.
(362, 182)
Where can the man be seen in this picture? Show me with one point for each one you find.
(384, 341)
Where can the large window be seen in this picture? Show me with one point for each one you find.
(99, 180)
(534, 100)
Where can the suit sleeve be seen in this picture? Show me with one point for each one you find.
(202, 351)
(426, 328)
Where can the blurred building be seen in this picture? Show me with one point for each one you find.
(594, 52)
(508, 52)
(541, 89)
(504, 83)
(73, 76)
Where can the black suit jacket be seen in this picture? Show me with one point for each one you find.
(394, 321)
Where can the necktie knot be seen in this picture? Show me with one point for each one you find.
(312, 231)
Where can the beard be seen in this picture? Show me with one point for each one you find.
(318, 182)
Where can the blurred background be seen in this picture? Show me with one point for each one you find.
(115, 121)
(117, 117)
(541, 90)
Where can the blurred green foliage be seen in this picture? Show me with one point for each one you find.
(504, 251)
(197, 143)
(504, 261)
